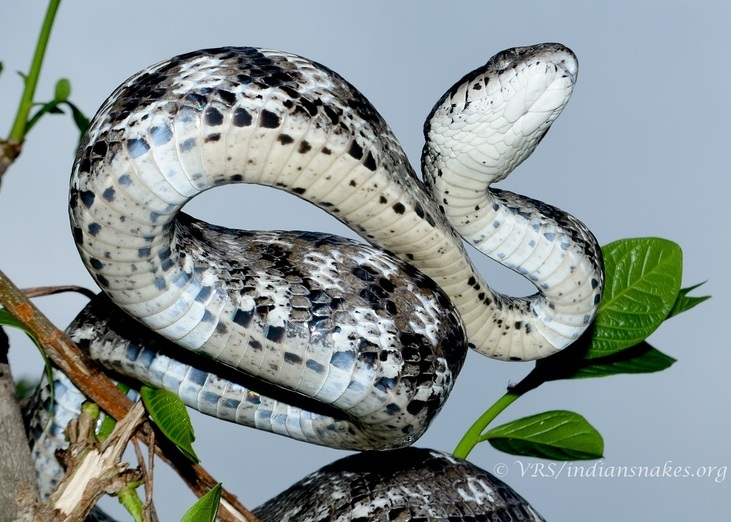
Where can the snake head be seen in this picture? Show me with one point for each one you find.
(490, 121)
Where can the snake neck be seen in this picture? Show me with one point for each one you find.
(486, 125)
(549, 247)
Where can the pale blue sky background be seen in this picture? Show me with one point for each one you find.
(641, 150)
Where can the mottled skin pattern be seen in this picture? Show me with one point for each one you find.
(408, 484)
(132, 354)
(254, 116)
(309, 335)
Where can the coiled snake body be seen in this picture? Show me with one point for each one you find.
(357, 346)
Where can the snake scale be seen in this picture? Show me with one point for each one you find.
(305, 334)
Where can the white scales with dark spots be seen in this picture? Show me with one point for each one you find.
(359, 346)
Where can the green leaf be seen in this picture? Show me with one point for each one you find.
(106, 426)
(7, 319)
(642, 283)
(63, 90)
(573, 364)
(52, 107)
(81, 121)
(206, 508)
(557, 435)
(171, 416)
(641, 358)
(683, 303)
(47, 108)
(24, 388)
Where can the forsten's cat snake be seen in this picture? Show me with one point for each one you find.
(310, 335)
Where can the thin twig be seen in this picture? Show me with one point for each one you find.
(148, 507)
(42, 291)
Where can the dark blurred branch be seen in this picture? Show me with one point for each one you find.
(19, 494)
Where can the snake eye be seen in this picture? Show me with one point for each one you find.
(503, 60)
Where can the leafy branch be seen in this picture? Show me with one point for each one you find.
(19, 130)
(643, 278)
(11, 147)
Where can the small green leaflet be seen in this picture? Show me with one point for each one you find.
(63, 90)
(7, 319)
(643, 281)
(206, 508)
(171, 416)
(557, 435)
(683, 303)
(60, 97)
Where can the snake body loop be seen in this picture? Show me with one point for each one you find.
(304, 334)
(254, 116)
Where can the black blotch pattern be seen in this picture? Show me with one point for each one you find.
(268, 120)
(213, 117)
(292, 358)
(227, 97)
(370, 162)
(161, 135)
(285, 139)
(199, 101)
(78, 235)
(241, 117)
(243, 317)
(87, 198)
(330, 112)
(364, 273)
(275, 334)
(100, 148)
(343, 360)
(355, 150)
(307, 106)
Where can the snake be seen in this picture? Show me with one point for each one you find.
(348, 344)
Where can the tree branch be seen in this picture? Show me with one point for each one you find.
(101, 390)
(19, 498)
